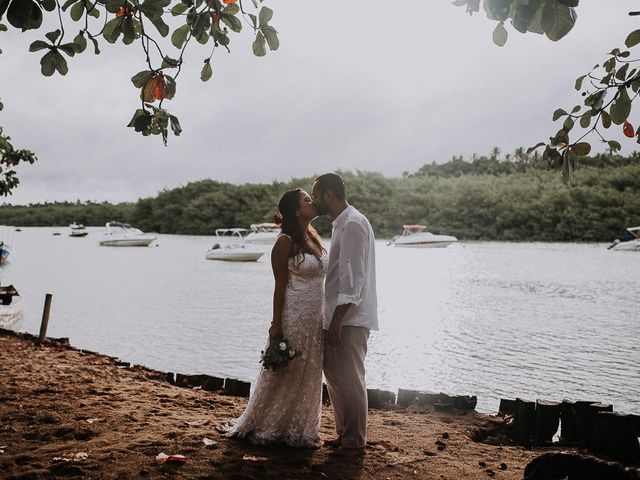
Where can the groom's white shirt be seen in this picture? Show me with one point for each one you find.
(351, 273)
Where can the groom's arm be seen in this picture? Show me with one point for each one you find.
(334, 334)
(351, 268)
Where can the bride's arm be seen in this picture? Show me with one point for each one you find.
(280, 266)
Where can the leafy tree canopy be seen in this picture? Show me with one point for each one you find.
(158, 25)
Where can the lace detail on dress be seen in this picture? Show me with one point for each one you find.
(285, 406)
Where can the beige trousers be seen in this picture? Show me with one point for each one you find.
(344, 372)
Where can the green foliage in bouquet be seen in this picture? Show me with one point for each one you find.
(278, 354)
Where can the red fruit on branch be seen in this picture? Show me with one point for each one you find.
(227, 2)
(155, 89)
(627, 129)
(124, 12)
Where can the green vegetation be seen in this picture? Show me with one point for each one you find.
(514, 198)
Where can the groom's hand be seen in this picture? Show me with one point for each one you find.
(334, 334)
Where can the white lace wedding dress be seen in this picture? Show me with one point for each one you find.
(285, 405)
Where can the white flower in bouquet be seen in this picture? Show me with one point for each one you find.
(283, 346)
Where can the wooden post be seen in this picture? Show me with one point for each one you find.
(45, 319)
(547, 421)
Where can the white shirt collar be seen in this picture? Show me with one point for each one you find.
(342, 217)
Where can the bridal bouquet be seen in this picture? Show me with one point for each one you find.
(278, 354)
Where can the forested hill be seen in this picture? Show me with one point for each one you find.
(488, 198)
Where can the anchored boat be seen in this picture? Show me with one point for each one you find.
(414, 236)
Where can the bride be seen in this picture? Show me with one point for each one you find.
(285, 405)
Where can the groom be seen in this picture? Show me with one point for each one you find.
(351, 311)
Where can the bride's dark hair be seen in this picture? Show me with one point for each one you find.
(288, 206)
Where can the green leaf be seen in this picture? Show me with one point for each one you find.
(179, 36)
(232, 22)
(67, 4)
(53, 36)
(168, 62)
(48, 5)
(524, 14)
(254, 20)
(579, 82)
(130, 29)
(585, 120)
(632, 39)
(231, 9)
(614, 146)
(606, 119)
(582, 149)
(61, 63)
(271, 35)
(568, 124)
(175, 125)
(621, 74)
(559, 113)
(140, 79)
(3, 27)
(93, 12)
(620, 108)
(158, 22)
(38, 45)
(179, 9)
(96, 50)
(557, 20)
(171, 86)
(24, 14)
(535, 147)
(77, 11)
(258, 46)
(576, 109)
(80, 43)
(610, 64)
(500, 35)
(265, 16)
(68, 48)
(206, 72)
(112, 30)
(48, 64)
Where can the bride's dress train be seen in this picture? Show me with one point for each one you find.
(285, 405)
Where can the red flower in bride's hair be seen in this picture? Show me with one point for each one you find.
(277, 219)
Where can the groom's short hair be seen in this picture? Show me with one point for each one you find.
(333, 182)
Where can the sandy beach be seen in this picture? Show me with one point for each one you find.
(66, 414)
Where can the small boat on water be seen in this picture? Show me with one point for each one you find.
(124, 235)
(10, 306)
(78, 230)
(238, 251)
(629, 241)
(414, 236)
(263, 233)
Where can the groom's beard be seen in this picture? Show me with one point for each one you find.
(321, 209)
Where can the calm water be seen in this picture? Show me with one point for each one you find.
(496, 320)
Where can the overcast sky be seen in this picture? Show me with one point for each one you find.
(384, 88)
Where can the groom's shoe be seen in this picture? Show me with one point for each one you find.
(335, 443)
(349, 452)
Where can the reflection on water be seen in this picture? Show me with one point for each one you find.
(496, 320)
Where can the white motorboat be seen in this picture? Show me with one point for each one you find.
(629, 241)
(237, 251)
(414, 236)
(124, 235)
(78, 230)
(263, 233)
(10, 306)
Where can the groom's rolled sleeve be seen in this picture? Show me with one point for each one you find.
(352, 263)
